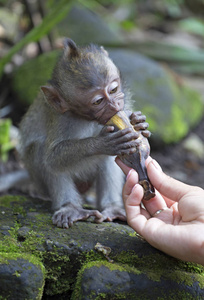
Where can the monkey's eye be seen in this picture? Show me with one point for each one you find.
(113, 91)
(97, 102)
(113, 88)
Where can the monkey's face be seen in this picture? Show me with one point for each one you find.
(86, 82)
(106, 102)
(100, 103)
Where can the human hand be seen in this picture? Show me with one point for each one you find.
(172, 221)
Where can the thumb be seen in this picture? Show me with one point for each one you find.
(166, 185)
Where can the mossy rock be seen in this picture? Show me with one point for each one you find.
(85, 26)
(70, 265)
(172, 108)
(22, 276)
(31, 75)
(103, 280)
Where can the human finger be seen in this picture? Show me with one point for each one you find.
(124, 168)
(155, 204)
(134, 212)
(166, 185)
(132, 180)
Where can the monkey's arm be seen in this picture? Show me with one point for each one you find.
(69, 152)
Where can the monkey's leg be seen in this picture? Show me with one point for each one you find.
(109, 186)
(67, 202)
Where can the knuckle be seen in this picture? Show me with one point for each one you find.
(125, 131)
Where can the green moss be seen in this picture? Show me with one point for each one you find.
(186, 110)
(152, 113)
(184, 113)
(10, 201)
(58, 277)
(23, 78)
(111, 266)
(61, 269)
(5, 257)
(153, 267)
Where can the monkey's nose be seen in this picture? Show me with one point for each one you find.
(118, 106)
(114, 109)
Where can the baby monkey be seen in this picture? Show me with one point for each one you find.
(64, 143)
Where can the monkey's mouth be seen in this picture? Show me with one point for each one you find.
(103, 121)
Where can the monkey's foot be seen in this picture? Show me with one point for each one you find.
(66, 216)
(111, 213)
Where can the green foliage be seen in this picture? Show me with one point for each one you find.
(5, 143)
(57, 13)
(170, 53)
(23, 77)
(115, 2)
(192, 25)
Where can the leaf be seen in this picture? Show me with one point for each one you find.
(169, 53)
(5, 145)
(192, 25)
(58, 12)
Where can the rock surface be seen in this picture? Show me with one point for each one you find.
(85, 26)
(20, 279)
(171, 107)
(74, 269)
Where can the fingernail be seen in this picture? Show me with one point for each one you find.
(137, 190)
(156, 165)
(129, 173)
(135, 187)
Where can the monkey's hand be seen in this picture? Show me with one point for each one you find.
(111, 213)
(139, 124)
(117, 143)
(67, 215)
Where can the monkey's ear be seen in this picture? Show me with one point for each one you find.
(104, 51)
(70, 48)
(54, 99)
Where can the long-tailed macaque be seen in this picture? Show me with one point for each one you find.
(64, 143)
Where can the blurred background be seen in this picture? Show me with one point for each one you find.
(157, 45)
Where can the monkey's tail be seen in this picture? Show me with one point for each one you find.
(13, 179)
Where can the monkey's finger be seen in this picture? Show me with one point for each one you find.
(111, 213)
(95, 213)
(83, 214)
(108, 129)
(146, 133)
(123, 132)
(127, 151)
(131, 144)
(136, 113)
(135, 118)
(141, 126)
(124, 135)
(60, 220)
(125, 143)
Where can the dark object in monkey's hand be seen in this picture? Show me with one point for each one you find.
(137, 159)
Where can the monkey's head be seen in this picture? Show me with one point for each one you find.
(86, 82)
